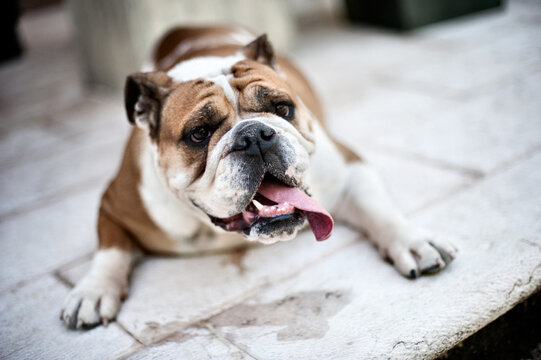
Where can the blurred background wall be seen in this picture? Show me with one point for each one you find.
(116, 37)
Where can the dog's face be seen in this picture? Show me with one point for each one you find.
(226, 132)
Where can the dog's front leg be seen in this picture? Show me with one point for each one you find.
(97, 297)
(367, 207)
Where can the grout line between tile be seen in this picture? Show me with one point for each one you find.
(226, 341)
(55, 197)
(130, 334)
(58, 272)
(63, 280)
(250, 293)
(25, 282)
(434, 90)
(53, 273)
(138, 344)
(517, 159)
(436, 163)
(70, 285)
(474, 182)
(442, 197)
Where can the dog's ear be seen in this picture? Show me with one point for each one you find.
(261, 50)
(143, 97)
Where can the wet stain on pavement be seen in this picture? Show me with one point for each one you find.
(302, 315)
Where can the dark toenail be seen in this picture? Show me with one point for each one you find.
(431, 269)
(413, 274)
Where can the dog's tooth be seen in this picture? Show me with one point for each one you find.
(257, 204)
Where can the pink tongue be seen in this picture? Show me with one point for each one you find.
(320, 220)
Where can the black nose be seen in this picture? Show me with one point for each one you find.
(254, 139)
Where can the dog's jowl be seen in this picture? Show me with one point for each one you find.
(229, 148)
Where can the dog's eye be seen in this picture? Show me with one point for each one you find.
(284, 110)
(200, 134)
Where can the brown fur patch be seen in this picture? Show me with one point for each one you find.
(121, 204)
(193, 104)
(111, 235)
(258, 83)
(349, 155)
(194, 42)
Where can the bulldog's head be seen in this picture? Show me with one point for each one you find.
(233, 140)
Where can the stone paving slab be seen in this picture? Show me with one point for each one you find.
(84, 124)
(15, 146)
(40, 241)
(191, 289)
(380, 112)
(341, 71)
(373, 110)
(352, 305)
(411, 184)
(489, 49)
(84, 165)
(420, 60)
(480, 135)
(482, 28)
(473, 137)
(31, 328)
(193, 343)
(29, 93)
(84, 143)
(466, 72)
(95, 114)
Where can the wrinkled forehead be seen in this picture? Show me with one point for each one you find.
(231, 74)
(213, 69)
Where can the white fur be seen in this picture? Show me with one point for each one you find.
(97, 296)
(241, 36)
(204, 67)
(230, 94)
(211, 68)
(185, 225)
(167, 211)
(111, 263)
(365, 205)
(327, 172)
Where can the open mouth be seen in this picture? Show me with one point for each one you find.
(277, 207)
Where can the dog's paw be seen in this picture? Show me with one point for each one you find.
(92, 302)
(417, 251)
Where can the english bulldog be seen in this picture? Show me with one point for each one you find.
(229, 148)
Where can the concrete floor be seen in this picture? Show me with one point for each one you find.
(450, 114)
